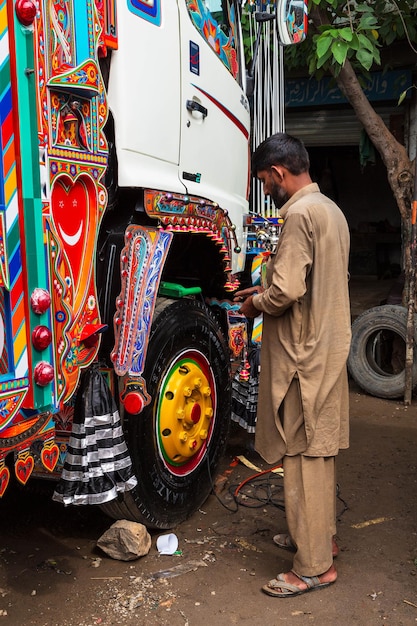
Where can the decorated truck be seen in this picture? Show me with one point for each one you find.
(124, 184)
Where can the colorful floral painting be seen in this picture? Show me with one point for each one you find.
(221, 36)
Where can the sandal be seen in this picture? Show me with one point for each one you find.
(279, 588)
(284, 541)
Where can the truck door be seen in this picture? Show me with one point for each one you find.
(214, 107)
(144, 94)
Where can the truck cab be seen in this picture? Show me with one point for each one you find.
(176, 94)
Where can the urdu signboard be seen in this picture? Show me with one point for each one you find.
(382, 86)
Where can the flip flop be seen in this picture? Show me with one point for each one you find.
(284, 541)
(278, 588)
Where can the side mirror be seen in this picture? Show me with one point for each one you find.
(292, 20)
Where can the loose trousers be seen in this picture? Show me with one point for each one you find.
(309, 492)
(310, 502)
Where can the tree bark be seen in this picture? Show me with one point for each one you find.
(400, 177)
(393, 154)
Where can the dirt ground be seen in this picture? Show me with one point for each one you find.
(52, 573)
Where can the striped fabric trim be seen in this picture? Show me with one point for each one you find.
(97, 466)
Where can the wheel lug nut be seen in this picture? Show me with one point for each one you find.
(208, 412)
(183, 436)
(206, 392)
(187, 392)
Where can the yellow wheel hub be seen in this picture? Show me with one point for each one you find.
(185, 412)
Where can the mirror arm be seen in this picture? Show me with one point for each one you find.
(261, 18)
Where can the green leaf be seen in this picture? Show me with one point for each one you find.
(367, 22)
(364, 8)
(402, 97)
(364, 42)
(339, 50)
(324, 59)
(312, 66)
(365, 58)
(354, 44)
(346, 34)
(323, 44)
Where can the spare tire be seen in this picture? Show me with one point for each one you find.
(377, 355)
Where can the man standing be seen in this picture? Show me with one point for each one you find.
(303, 412)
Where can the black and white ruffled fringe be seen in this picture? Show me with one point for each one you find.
(97, 466)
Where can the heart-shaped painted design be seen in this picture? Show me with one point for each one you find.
(74, 209)
(4, 480)
(50, 456)
(23, 469)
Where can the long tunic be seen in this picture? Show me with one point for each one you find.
(306, 327)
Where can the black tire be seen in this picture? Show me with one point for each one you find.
(172, 486)
(377, 355)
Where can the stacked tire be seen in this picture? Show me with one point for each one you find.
(377, 355)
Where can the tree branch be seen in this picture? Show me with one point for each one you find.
(393, 153)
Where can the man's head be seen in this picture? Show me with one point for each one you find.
(281, 162)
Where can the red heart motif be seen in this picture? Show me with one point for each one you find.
(23, 469)
(4, 480)
(74, 211)
(50, 456)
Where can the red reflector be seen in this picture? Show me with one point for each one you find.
(25, 11)
(43, 373)
(133, 403)
(41, 337)
(40, 300)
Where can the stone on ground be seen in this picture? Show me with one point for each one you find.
(125, 541)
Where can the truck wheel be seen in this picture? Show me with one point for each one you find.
(177, 441)
(377, 355)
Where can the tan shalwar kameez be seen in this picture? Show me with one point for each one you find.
(303, 411)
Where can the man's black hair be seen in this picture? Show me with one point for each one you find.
(281, 149)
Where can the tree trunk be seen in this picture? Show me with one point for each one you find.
(400, 178)
(393, 154)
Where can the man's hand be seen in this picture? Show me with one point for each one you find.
(248, 309)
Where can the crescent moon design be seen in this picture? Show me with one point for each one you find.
(71, 240)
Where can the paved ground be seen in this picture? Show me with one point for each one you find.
(52, 574)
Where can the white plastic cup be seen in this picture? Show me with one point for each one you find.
(167, 544)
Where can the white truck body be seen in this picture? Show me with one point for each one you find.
(154, 73)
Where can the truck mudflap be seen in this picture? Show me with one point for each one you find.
(142, 261)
